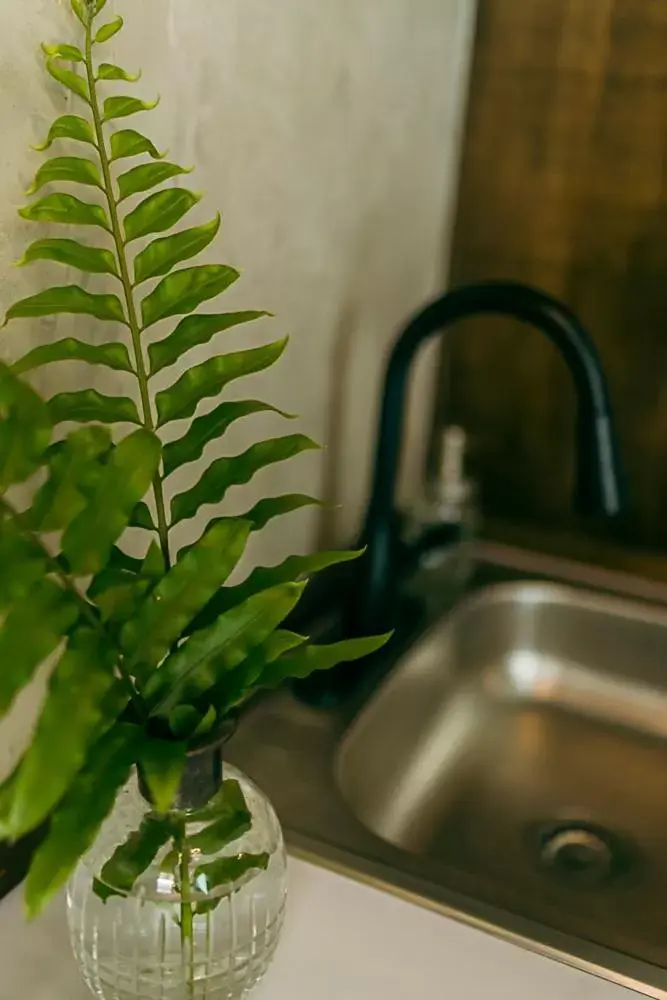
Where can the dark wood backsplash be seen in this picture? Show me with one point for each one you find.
(564, 185)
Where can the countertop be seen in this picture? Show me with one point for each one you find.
(342, 941)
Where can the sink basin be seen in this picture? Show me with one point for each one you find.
(524, 740)
(510, 770)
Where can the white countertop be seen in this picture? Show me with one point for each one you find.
(342, 941)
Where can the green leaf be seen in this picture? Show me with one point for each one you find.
(78, 6)
(83, 677)
(238, 683)
(121, 560)
(6, 798)
(27, 561)
(211, 427)
(229, 798)
(131, 859)
(117, 592)
(159, 212)
(292, 568)
(232, 820)
(89, 406)
(147, 176)
(123, 107)
(184, 291)
(100, 5)
(93, 260)
(111, 355)
(153, 566)
(107, 31)
(271, 507)
(124, 480)
(183, 721)
(236, 471)
(226, 872)
(71, 467)
(69, 79)
(209, 379)
(183, 592)
(77, 820)
(193, 331)
(306, 661)
(195, 666)
(266, 510)
(207, 723)
(162, 255)
(117, 603)
(67, 210)
(142, 518)
(108, 71)
(32, 630)
(127, 143)
(68, 127)
(68, 299)
(162, 763)
(71, 53)
(67, 168)
(25, 429)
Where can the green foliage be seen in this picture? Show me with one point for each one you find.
(84, 675)
(209, 428)
(67, 210)
(68, 127)
(79, 816)
(184, 291)
(89, 538)
(132, 858)
(236, 471)
(127, 143)
(89, 405)
(208, 379)
(114, 356)
(25, 430)
(67, 168)
(147, 176)
(162, 255)
(158, 213)
(150, 656)
(71, 253)
(162, 763)
(195, 667)
(31, 631)
(182, 593)
(224, 872)
(70, 299)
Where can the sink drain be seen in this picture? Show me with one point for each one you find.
(584, 854)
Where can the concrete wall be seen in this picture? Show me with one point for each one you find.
(327, 134)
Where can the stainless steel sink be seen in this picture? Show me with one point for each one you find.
(512, 769)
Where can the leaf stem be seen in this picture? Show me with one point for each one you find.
(186, 914)
(126, 281)
(68, 584)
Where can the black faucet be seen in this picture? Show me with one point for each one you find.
(598, 480)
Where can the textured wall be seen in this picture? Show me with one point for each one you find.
(327, 135)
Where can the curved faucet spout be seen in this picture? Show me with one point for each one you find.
(597, 489)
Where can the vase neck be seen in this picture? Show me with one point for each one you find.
(201, 779)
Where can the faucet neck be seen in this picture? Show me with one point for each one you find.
(597, 490)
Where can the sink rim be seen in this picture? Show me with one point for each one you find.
(320, 826)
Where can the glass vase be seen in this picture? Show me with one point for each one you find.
(159, 943)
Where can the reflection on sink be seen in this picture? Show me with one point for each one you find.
(511, 769)
(524, 741)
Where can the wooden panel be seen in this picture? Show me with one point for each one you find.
(564, 185)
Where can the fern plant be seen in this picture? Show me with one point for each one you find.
(153, 655)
